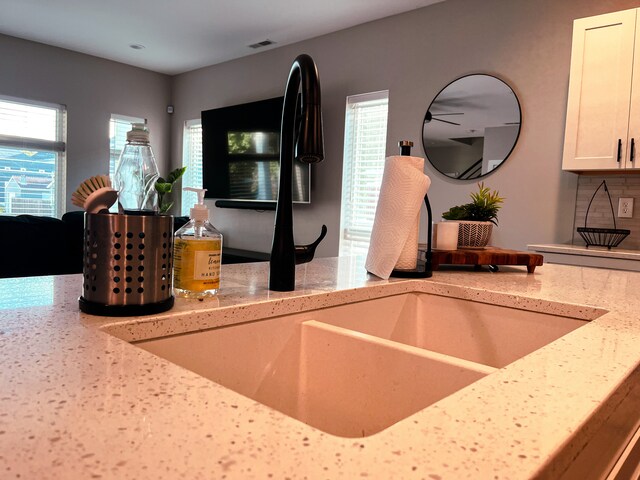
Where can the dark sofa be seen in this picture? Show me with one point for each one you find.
(33, 245)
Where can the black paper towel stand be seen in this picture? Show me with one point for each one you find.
(427, 266)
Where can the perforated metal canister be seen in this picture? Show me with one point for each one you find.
(127, 264)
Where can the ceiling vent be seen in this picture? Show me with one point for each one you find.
(264, 43)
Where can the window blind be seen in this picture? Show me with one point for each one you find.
(192, 159)
(32, 157)
(364, 154)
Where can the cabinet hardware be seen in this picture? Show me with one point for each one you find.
(633, 150)
(619, 150)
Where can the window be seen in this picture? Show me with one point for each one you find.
(192, 159)
(32, 157)
(119, 125)
(365, 140)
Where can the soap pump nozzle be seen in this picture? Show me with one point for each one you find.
(199, 212)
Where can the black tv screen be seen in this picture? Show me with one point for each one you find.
(241, 153)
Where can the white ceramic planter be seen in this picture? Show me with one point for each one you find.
(474, 234)
(445, 235)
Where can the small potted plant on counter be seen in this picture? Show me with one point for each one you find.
(164, 187)
(476, 219)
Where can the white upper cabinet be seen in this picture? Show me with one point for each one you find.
(603, 109)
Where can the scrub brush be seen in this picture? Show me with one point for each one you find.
(95, 194)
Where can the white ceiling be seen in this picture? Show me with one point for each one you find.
(184, 35)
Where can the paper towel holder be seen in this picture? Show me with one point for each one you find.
(427, 271)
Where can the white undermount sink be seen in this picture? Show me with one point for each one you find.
(353, 370)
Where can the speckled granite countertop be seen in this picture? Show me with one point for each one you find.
(78, 402)
(605, 252)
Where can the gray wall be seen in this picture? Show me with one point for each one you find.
(454, 160)
(413, 55)
(498, 142)
(92, 89)
(600, 216)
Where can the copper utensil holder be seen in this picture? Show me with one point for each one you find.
(127, 264)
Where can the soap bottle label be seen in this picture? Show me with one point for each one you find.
(206, 265)
(197, 264)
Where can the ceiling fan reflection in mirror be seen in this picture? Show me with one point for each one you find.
(432, 116)
(471, 126)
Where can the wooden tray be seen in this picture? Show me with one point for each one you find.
(491, 256)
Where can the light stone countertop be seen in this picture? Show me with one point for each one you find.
(605, 252)
(601, 257)
(78, 402)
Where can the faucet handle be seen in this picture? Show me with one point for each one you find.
(305, 253)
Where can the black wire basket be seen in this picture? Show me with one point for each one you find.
(602, 237)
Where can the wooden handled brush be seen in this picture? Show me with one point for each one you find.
(95, 194)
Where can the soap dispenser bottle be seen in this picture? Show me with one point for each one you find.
(197, 254)
(137, 173)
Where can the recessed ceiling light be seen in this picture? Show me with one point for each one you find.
(136, 46)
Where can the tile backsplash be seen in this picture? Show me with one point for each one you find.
(626, 186)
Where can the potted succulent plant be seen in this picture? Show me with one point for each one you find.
(476, 219)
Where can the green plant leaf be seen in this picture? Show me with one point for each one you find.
(176, 174)
(163, 188)
(483, 208)
(165, 207)
(458, 212)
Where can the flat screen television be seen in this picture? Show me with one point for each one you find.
(241, 154)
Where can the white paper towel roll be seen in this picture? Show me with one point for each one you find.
(394, 236)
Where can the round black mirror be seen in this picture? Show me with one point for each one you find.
(471, 126)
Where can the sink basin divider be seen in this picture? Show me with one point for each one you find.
(353, 384)
(401, 347)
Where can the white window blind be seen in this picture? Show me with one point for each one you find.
(119, 125)
(364, 153)
(192, 159)
(32, 157)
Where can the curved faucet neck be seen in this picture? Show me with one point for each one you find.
(303, 141)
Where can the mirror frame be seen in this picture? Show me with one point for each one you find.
(427, 113)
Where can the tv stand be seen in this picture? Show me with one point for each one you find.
(236, 255)
(246, 204)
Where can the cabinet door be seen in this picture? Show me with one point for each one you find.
(633, 157)
(600, 92)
